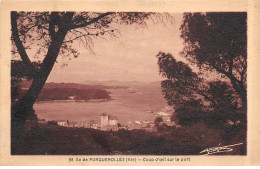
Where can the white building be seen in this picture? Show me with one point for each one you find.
(112, 120)
(63, 123)
(103, 120)
(72, 97)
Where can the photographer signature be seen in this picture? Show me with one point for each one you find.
(214, 150)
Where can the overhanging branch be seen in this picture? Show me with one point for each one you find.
(18, 42)
(92, 21)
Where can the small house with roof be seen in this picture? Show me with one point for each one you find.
(93, 124)
(63, 123)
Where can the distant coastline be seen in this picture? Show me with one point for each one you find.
(83, 101)
(76, 92)
(71, 92)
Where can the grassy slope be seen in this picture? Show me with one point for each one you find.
(50, 139)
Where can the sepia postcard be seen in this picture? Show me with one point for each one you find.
(141, 82)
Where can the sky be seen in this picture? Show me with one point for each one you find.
(130, 57)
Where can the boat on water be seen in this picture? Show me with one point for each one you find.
(138, 122)
(162, 113)
(149, 111)
(146, 122)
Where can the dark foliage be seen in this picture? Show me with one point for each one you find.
(190, 113)
(80, 94)
(42, 139)
(216, 44)
(157, 121)
(15, 88)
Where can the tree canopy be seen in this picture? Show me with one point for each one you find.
(51, 34)
(216, 44)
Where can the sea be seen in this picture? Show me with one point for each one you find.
(135, 103)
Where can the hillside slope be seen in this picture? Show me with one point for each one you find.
(44, 139)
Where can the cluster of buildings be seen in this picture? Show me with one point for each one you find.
(107, 123)
(144, 125)
(110, 122)
(150, 125)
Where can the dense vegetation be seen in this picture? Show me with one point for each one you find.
(51, 85)
(52, 139)
(211, 83)
(62, 91)
(48, 94)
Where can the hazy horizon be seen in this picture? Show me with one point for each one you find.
(101, 81)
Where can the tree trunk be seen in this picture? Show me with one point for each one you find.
(23, 110)
(241, 91)
(243, 95)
